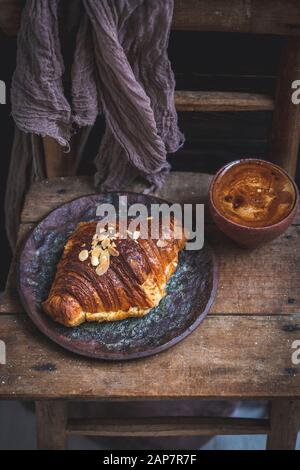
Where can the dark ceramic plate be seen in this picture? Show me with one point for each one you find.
(190, 291)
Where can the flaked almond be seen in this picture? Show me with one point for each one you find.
(102, 267)
(83, 255)
(104, 255)
(161, 243)
(96, 252)
(94, 261)
(136, 234)
(105, 243)
(113, 251)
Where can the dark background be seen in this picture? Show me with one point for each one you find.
(201, 61)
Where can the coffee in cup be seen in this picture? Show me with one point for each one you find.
(252, 200)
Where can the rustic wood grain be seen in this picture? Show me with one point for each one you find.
(210, 101)
(261, 281)
(184, 187)
(265, 280)
(244, 287)
(251, 16)
(232, 356)
(285, 134)
(285, 424)
(51, 417)
(164, 427)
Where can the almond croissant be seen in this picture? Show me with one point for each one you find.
(102, 278)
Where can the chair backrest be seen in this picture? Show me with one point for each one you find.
(241, 16)
(244, 16)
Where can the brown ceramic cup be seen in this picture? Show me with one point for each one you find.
(238, 193)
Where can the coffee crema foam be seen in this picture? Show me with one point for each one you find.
(254, 194)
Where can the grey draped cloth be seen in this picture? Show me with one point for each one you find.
(119, 68)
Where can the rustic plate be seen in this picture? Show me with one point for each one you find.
(190, 291)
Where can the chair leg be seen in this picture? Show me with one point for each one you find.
(285, 133)
(284, 424)
(51, 419)
(57, 161)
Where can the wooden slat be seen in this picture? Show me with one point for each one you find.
(232, 356)
(271, 290)
(285, 424)
(285, 134)
(51, 420)
(265, 280)
(211, 101)
(166, 427)
(251, 16)
(183, 187)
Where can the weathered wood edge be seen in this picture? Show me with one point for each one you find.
(200, 15)
(247, 357)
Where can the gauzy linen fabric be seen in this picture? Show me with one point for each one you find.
(119, 67)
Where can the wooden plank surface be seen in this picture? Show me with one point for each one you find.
(229, 355)
(180, 186)
(244, 287)
(265, 280)
(210, 101)
(183, 187)
(169, 426)
(251, 16)
(233, 356)
(272, 290)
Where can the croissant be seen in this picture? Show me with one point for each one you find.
(107, 278)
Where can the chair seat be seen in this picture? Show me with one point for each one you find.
(243, 348)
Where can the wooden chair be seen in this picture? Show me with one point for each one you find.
(254, 16)
(255, 327)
